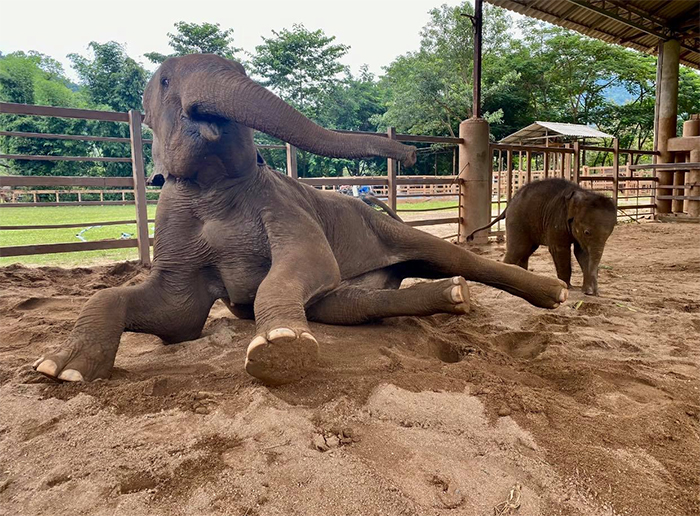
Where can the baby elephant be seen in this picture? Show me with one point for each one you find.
(558, 213)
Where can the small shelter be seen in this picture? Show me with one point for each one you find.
(544, 132)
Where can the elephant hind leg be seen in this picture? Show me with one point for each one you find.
(354, 305)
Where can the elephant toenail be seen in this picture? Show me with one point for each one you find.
(563, 295)
(456, 294)
(306, 335)
(47, 367)
(455, 280)
(257, 341)
(37, 362)
(279, 333)
(70, 375)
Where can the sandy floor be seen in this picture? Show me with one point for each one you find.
(593, 408)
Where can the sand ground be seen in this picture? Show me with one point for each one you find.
(593, 408)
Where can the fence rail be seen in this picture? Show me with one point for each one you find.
(391, 186)
(634, 187)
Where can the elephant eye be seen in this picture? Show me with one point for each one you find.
(165, 82)
(586, 232)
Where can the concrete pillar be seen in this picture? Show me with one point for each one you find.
(667, 95)
(692, 128)
(475, 178)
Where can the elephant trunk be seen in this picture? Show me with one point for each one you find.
(590, 276)
(234, 96)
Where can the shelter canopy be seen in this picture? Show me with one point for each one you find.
(638, 24)
(542, 130)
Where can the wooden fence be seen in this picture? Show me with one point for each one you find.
(392, 185)
(631, 187)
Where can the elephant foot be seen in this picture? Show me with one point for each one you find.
(74, 364)
(283, 356)
(548, 293)
(457, 294)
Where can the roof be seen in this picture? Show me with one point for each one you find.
(638, 24)
(540, 129)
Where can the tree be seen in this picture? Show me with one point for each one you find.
(300, 65)
(303, 68)
(193, 38)
(33, 78)
(429, 91)
(111, 78)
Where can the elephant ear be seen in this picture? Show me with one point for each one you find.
(573, 201)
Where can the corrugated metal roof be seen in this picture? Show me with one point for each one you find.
(638, 24)
(539, 130)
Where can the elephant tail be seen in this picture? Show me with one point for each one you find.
(371, 199)
(500, 217)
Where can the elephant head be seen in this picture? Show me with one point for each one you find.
(591, 219)
(203, 109)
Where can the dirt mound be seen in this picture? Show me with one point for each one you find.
(592, 408)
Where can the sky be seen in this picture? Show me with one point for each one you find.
(376, 30)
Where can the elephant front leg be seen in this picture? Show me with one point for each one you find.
(589, 266)
(303, 268)
(91, 348)
(562, 262)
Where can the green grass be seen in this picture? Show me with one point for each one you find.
(403, 205)
(41, 215)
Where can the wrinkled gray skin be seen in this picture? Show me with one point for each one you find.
(558, 213)
(272, 248)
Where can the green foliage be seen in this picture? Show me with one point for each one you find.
(111, 78)
(300, 65)
(193, 38)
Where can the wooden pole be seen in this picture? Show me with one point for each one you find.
(292, 161)
(139, 186)
(476, 92)
(528, 166)
(391, 172)
(509, 164)
(577, 162)
(616, 170)
(667, 93)
(474, 178)
(692, 128)
(546, 156)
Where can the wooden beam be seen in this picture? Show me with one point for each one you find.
(433, 222)
(139, 186)
(75, 225)
(25, 250)
(27, 157)
(65, 181)
(684, 144)
(80, 137)
(85, 114)
(391, 165)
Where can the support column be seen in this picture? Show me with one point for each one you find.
(692, 128)
(667, 95)
(474, 178)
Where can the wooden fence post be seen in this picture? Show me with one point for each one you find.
(577, 162)
(692, 206)
(139, 186)
(292, 161)
(391, 172)
(528, 165)
(509, 164)
(616, 170)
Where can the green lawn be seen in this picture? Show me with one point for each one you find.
(41, 215)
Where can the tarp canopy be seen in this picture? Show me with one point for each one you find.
(638, 24)
(542, 130)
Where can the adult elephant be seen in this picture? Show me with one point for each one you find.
(229, 227)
